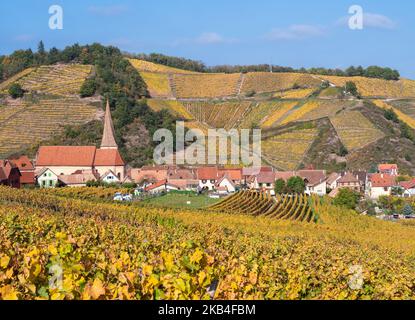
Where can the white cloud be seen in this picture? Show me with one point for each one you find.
(111, 10)
(372, 20)
(295, 32)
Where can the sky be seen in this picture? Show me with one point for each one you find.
(287, 33)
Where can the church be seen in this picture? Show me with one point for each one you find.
(72, 160)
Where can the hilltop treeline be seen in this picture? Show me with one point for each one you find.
(175, 62)
(192, 65)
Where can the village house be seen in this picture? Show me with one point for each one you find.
(161, 186)
(349, 181)
(390, 169)
(315, 181)
(27, 170)
(332, 180)
(408, 188)
(225, 185)
(207, 177)
(110, 177)
(150, 174)
(65, 160)
(77, 179)
(9, 174)
(185, 179)
(381, 184)
(46, 178)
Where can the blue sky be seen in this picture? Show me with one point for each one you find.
(289, 33)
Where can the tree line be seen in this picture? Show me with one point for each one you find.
(198, 66)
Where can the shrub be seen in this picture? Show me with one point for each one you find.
(88, 88)
(16, 91)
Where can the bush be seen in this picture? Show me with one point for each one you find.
(88, 88)
(347, 198)
(280, 186)
(351, 88)
(16, 91)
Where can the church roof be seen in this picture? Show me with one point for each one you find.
(68, 156)
(108, 157)
(108, 138)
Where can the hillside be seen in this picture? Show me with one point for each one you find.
(303, 123)
(51, 102)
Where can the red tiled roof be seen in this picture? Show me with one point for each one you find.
(266, 177)
(27, 177)
(108, 157)
(250, 171)
(349, 178)
(382, 180)
(234, 174)
(284, 175)
(313, 177)
(207, 173)
(156, 185)
(387, 166)
(408, 184)
(69, 156)
(23, 163)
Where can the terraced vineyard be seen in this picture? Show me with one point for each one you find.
(206, 85)
(274, 117)
(405, 106)
(285, 207)
(406, 116)
(158, 84)
(146, 66)
(295, 94)
(219, 115)
(321, 109)
(24, 123)
(57, 79)
(173, 106)
(6, 84)
(261, 82)
(261, 113)
(369, 87)
(286, 151)
(355, 130)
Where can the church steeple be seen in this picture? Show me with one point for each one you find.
(108, 137)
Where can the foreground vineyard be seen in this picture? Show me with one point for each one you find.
(287, 207)
(110, 251)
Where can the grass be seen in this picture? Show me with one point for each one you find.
(175, 200)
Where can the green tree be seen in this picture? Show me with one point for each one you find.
(280, 186)
(351, 88)
(88, 88)
(295, 185)
(16, 91)
(347, 198)
(407, 210)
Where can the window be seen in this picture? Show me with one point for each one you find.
(204, 181)
(212, 181)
